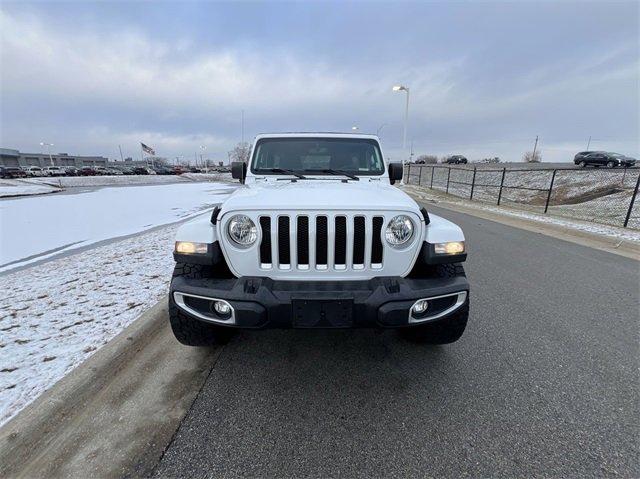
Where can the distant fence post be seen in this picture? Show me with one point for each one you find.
(448, 178)
(408, 173)
(553, 177)
(420, 176)
(473, 183)
(504, 171)
(633, 200)
(433, 171)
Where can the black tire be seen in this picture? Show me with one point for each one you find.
(190, 331)
(611, 164)
(444, 331)
(582, 164)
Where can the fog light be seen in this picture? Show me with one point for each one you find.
(222, 308)
(420, 306)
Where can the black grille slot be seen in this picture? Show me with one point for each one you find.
(321, 240)
(284, 251)
(358, 240)
(341, 240)
(376, 246)
(265, 244)
(303, 240)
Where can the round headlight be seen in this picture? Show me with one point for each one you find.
(399, 230)
(242, 230)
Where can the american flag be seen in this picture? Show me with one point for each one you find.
(147, 149)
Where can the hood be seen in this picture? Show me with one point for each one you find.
(320, 195)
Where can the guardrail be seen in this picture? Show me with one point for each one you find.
(606, 196)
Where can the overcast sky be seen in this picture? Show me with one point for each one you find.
(485, 78)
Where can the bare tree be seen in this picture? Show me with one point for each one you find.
(240, 152)
(532, 157)
(427, 159)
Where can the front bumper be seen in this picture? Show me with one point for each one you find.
(264, 303)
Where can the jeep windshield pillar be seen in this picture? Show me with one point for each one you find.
(317, 237)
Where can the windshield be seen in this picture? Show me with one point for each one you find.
(357, 156)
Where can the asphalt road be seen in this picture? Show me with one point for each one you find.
(544, 382)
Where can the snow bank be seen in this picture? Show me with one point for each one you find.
(58, 314)
(37, 227)
(9, 188)
(125, 180)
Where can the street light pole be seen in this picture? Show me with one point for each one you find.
(202, 148)
(406, 122)
(49, 145)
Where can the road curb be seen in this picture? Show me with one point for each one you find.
(100, 418)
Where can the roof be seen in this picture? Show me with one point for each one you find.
(312, 134)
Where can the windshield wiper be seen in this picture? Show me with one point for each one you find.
(334, 172)
(284, 171)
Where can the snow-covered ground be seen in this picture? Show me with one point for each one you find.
(53, 317)
(595, 195)
(34, 228)
(624, 234)
(56, 314)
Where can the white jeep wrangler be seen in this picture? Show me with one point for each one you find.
(318, 238)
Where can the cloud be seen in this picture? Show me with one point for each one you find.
(89, 89)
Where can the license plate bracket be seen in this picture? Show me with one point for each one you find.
(322, 313)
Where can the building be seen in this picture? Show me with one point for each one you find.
(10, 157)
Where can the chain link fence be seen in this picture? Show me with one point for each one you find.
(606, 196)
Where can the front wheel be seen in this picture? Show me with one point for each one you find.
(443, 331)
(582, 164)
(611, 164)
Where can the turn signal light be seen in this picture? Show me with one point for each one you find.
(187, 247)
(451, 247)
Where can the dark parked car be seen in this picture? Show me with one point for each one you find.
(456, 160)
(603, 158)
(163, 170)
(88, 171)
(12, 172)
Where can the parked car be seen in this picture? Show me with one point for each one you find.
(163, 170)
(12, 172)
(54, 171)
(127, 170)
(352, 254)
(603, 158)
(178, 170)
(113, 171)
(88, 171)
(71, 171)
(143, 170)
(456, 160)
(34, 171)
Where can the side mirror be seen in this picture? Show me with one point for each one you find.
(239, 170)
(395, 172)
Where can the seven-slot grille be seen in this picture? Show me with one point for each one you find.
(321, 242)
